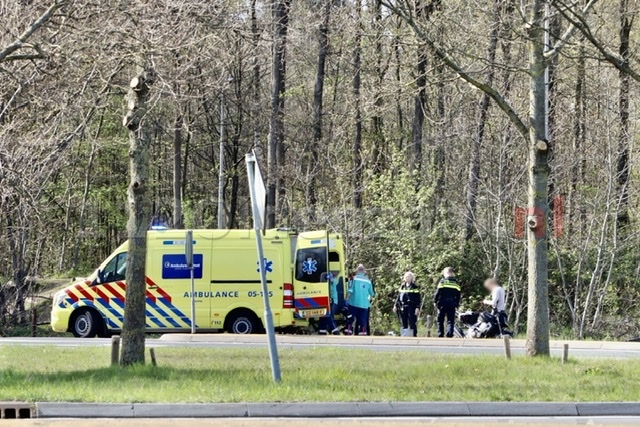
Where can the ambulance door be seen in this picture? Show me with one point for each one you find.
(310, 284)
(336, 266)
(169, 281)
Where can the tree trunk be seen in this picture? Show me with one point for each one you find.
(424, 10)
(538, 295)
(357, 140)
(398, 80)
(626, 22)
(133, 328)
(419, 109)
(575, 222)
(177, 172)
(379, 140)
(318, 92)
(438, 159)
(83, 206)
(17, 243)
(276, 191)
(255, 81)
(483, 109)
(554, 29)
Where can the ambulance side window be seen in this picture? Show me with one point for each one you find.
(311, 264)
(116, 269)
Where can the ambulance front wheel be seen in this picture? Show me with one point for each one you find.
(85, 323)
(243, 322)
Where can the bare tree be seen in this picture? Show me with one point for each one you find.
(276, 151)
(483, 110)
(357, 82)
(626, 23)
(10, 52)
(135, 120)
(318, 96)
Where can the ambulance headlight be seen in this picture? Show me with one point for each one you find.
(58, 298)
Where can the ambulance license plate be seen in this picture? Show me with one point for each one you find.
(313, 313)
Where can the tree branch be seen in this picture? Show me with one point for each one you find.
(560, 44)
(22, 39)
(23, 57)
(451, 63)
(608, 55)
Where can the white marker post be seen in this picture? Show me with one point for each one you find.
(188, 249)
(257, 190)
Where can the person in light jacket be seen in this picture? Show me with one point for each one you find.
(359, 296)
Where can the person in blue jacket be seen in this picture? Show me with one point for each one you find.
(359, 296)
(328, 323)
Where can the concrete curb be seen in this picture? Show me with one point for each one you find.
(335, 410)
(390, 341)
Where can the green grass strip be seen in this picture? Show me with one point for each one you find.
(316, 374)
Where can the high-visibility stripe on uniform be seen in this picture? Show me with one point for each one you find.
(447, 284)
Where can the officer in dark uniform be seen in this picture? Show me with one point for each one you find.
(447, 300)
(408, 303)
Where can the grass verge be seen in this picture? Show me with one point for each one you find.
(320, 374)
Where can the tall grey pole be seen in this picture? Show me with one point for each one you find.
(223, 118)
(268, 316)
(188, 246)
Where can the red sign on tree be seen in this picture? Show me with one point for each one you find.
(519, 215)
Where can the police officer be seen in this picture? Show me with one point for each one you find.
(407, 304)
(447, 300)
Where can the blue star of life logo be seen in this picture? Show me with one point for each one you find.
(268, 266)
(309, 266)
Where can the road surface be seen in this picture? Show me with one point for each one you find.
(590, 349)
(346, 422)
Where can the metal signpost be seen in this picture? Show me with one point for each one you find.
(257, 190)
(188, 249)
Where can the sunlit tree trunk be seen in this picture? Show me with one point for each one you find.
(538, 295)
(133, 328)
(177, 171)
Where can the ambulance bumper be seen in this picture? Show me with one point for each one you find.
(60, 319)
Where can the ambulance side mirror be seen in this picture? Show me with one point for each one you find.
(99, 277)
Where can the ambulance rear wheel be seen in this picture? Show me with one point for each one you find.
(243, 322)
(85, 324)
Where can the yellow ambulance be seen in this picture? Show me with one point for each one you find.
(228, 294)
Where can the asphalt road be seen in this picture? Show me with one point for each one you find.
(359, 422)
(588, 349)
